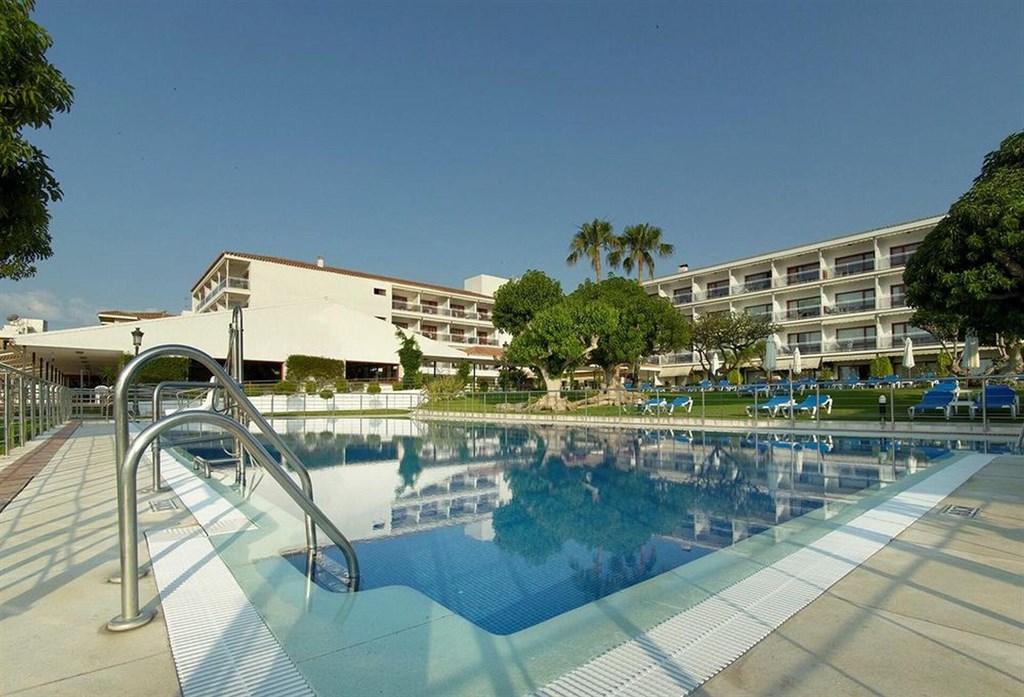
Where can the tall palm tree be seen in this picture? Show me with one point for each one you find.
(590, 242)
(637, 246)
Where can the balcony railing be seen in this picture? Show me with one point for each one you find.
(855, 306)
(919, 339)
(433, 311)
(463, 339)
(229, 282)
(802, 312)
(754, 286)
(853, 267)
(802, 277)
(899, 259)
(864, 343)
(806, 347)
(719, 292)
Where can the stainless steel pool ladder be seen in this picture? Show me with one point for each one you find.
(128, 454)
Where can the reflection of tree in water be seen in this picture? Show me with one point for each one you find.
(409, 467)
(614, 513)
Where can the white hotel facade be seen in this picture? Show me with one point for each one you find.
(460, 318)
(841, 301)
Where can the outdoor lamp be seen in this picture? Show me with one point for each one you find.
(137, 339)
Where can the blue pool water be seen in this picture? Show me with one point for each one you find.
(511, 526)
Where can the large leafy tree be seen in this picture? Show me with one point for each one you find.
(971, 266)
(559, 339)
(734, 335)
(590, 242)
(31, 91)
(637, 246)
(647, 324)
(516, 302)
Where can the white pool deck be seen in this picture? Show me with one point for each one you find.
(938, 610)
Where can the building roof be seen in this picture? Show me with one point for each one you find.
(134, 314)
(316, 328)
(332, 269)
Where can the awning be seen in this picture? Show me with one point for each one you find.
(675, 371)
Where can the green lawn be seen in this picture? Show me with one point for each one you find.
(847, 405)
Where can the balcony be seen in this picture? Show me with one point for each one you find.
(754, 286)
(229, 282)
(919, 339)
(853, 267)
(802, 313)
(682, 298)
(399, 306)
(463, 339)
(718, 292)
(795, 279)
(845, 307)
(806, 347)
(863, 343)
(900, 259)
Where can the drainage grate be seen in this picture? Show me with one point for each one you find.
(164, 505)
(961, 511)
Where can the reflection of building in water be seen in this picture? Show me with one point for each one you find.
(463, 497)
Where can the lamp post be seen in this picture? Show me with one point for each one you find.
(137, 339)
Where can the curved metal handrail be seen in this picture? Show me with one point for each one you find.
(131, 616)
(127, 497)
(158, 413)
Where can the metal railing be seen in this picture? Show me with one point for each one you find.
(31, 405)
(128, 455)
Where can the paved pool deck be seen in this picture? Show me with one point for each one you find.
(940, 610)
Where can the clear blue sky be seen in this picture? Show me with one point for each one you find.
(434, 141)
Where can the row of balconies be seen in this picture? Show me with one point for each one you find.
(894, 302)
(852, 345)
(482, 315)
(843, 271)
(462, 339)
(229, 282)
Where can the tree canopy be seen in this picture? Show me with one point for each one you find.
(646, 325)
(516, 302)
(971, 266)
(734, 335)
(31, 90)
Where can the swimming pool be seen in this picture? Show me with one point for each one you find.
(510, 526)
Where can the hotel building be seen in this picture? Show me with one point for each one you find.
(841, 301)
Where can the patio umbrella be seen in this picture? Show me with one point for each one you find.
(908, 354)
(771, 357)
(795, 368)
(715, 363)
(970, 358)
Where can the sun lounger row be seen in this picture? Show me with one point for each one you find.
(784, 403)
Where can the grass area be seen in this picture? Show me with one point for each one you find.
(847, 405)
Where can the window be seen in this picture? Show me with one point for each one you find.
(718, 289)
(807, 342)
(855, 263)
(484, 312)
(803, 308)
(379, 291)
(429, 331)
(804, 273)
(458, 310)
(399, 302)
(458, 335)
(899, 254)
(483, 338)
(757, 281)
(401, 325)
(855, 301)
(898, 294)
(856, 338)
(428, 307)
(682, 296)
(759, 310)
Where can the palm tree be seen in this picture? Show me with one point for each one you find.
(590, 242)
(636, 247)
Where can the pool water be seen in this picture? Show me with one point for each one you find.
(510, 526)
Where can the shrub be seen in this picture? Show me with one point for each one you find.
(341, 386)
(310, 387)
(326, 394)
(444, 387)
(464, 372)
(483, 386)
(734, 377)
(881, 366)
(373, 388)
(285, 387)
(825, 374)
(314, 368)
(944, 366)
